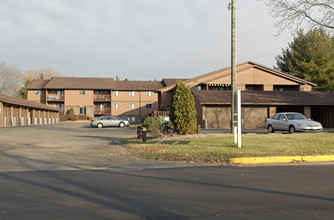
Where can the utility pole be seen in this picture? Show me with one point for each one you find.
(233, 65)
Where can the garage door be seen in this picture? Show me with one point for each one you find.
(252, 117)
(218, 117)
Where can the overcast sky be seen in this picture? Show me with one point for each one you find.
(135, 39)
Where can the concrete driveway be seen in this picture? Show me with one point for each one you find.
(69, 147)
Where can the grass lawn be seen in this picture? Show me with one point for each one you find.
(220, 148)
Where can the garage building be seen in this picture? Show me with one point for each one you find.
(20, 112)
(213, 107)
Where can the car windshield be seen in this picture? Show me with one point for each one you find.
(296, 117)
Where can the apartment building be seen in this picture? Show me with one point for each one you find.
(136, 99)
(96, 97)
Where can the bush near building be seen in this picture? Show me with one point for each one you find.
(153, 126)
(183, 113)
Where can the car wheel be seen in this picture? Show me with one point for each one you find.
(99, 125)
(291, 129)
(121, 124)
(270, 129)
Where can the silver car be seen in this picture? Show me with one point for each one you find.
(291, 121)
(109, 121)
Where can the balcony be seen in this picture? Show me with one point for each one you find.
(102, 98)
(55, 97)
(61, 111)
(102, 111)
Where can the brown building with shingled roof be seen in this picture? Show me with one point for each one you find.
(136, 99)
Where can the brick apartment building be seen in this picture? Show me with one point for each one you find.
(96, 97)
(136, 99)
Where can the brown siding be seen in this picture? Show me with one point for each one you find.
(6, 113)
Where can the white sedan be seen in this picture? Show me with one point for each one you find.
(109, 121)
(291, 121)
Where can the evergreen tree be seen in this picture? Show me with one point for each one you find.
(310, 56)
(23, 93)
(183, 112)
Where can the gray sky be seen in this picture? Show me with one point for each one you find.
(135, 39)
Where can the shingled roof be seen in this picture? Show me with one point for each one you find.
(22, 102)
(136, 85)
(227, 71)
(79, 83)
(214, 97)
(37, 84)
(169, 82)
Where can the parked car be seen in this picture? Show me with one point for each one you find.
(109, 121)
(291, 121)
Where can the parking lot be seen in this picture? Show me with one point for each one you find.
(68, 147)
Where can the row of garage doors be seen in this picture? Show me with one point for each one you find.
(23, 116)
(255, 117)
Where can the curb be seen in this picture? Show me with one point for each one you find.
(281, 159)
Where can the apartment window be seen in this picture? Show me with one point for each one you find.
(38, 92)
(115, 93)
(286, 88)
(132, 93)
(148, 105)
(250, 87)
(82, 110)
(82, 92)
(149, 93)
(132, 118)
(132, 106)
(115, 105)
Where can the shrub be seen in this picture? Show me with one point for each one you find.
(153, 126)
(73, 119)
(183, 113)
(71, 112)
(163, 108)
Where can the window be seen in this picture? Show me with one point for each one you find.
(149, 93)
(82, 110)
(115, 105)
(132, 106)
(286, 88)
(197, 88)
(82, 92)
(115, 93)
(276, 116)
(38, 92)
(132, 93)
(132, 118)
(282, 117)
(148, 105)
(254, 87)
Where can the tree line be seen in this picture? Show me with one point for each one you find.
(310, 55)
(13, 81)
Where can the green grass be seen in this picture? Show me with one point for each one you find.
(220, 148)
(135, 124)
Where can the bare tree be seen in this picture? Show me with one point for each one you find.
(31, 74)
(44, 73)
(302, 14)
(9, 79)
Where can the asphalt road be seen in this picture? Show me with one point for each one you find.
(72, 171)
(69, 147)
(281, 192)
